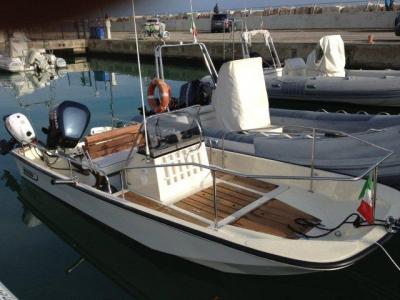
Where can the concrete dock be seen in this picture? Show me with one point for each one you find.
(382, 54)
(76, 46)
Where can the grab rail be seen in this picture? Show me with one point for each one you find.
(214, 169)
(246, 41)
(313, 147)
(71, 160)
(373, 169)
(206, 56)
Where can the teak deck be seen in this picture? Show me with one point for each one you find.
(233, 193)
(135, 198)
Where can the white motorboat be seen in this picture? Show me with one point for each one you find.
(323, 77)
(19, 57)
(158, 184)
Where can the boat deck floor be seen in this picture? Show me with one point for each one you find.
(241, 202)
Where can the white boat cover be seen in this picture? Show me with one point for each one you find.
(333, 60)
(240, 99)
(18, 45)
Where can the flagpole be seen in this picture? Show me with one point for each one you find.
(374, 190)
(193, 25)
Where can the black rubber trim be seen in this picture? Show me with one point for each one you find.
(294, 262)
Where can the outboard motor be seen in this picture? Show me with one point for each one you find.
(68, 122)
(21, 131)
(194, 93)
(37, 59)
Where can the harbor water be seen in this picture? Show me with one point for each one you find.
(51, 251)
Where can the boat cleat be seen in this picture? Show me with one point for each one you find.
(392, 224)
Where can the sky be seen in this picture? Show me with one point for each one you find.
(158, 6)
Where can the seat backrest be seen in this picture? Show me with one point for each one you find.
(113, 141)
(295, 67)
(240, 99)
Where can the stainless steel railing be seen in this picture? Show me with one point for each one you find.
(70, 161)
(373, 169)
(206, 57)
(314, 138)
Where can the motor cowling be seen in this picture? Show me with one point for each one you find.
(67, 124)
(20, 128)
(194, 92)
(21, 131)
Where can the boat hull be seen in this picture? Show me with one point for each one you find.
(204, 246)
(12, 66)
(365, 91)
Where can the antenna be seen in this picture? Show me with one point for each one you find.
(140, 80)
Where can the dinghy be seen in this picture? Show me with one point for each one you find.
(324, 78)
(158, 184)
(290, 139)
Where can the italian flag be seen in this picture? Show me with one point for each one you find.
(366, 208)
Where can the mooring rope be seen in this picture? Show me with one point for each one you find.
(388, 255)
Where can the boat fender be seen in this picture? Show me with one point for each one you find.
(165, 93)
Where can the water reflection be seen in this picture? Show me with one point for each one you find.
(98, 75)
(97, 79)
(26, 83)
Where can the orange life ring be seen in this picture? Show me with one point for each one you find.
(165, 93)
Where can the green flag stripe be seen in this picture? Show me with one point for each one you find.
(367, 185)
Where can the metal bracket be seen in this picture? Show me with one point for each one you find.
(392, 225)
(73, 181)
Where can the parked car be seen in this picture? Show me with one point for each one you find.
(221, 23)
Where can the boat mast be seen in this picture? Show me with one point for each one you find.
(140, 80)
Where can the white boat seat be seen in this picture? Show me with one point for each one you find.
(109, 150)
(112, 141)
(112, 163)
